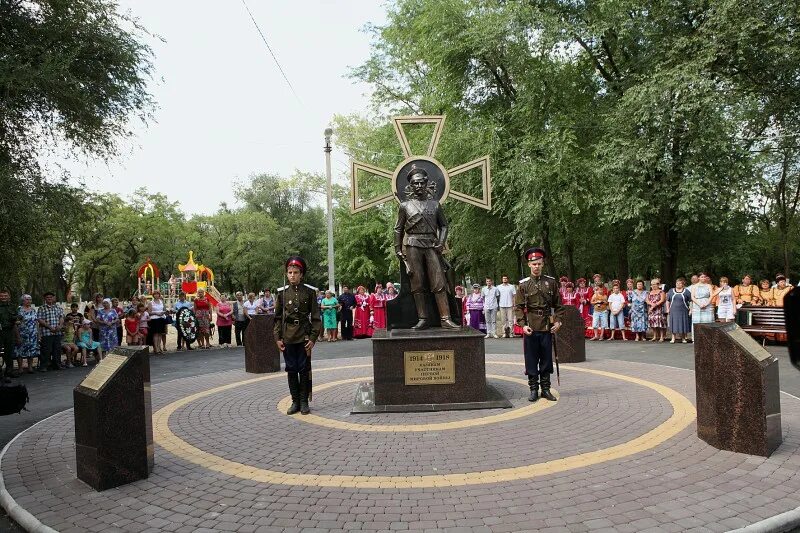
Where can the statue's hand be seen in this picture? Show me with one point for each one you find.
(439, 247)
(400, 254)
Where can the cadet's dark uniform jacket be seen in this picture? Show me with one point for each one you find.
(8, 320)
(538, 296)
(297, 317)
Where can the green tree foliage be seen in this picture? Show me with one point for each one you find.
(72, 72)
(626, 139)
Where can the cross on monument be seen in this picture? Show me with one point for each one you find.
(436, 171)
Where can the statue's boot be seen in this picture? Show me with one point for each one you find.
(419, 302)
(533, 384)
(546, 394)
(444, 311)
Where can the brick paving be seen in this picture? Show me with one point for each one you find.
(681, 484)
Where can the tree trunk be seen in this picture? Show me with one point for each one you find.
(668, 241)
(570, 253)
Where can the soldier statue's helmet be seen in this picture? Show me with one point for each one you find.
(296, 261)
(534, 254)
(414, 170)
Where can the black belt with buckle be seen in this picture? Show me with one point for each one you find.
(539, 312)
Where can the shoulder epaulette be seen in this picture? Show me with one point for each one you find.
(310, 286)
(281, 288)
(523, 280)
(548, 277)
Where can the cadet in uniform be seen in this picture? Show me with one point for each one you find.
(8, 333)
(297, 326)
(536, 299)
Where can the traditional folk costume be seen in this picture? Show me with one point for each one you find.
(779, 293)
(584, 302)
(535, 301)
(362, 328)
(297, 323)
(562, 289)
(377, 308)
(391, 292)
(745, 294)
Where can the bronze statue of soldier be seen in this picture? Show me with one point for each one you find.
(420, 234)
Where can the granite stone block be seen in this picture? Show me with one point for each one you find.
(570, 340)
(261, 354)
(467, 345)
(113, 422)
(738, 394)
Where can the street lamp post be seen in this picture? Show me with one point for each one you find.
(331, 282)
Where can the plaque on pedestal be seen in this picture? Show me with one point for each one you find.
(571, 342)
(261, 354)
(738, 395)
(114, 421)
(428, 370)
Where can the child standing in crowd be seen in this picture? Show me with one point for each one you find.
(599, 317)
(68, 345)
(144, 317)
(725, 307)
(570, 297)
(584, 300)
(616, 301)
(87, 344)
(131, 328)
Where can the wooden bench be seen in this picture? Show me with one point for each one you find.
(762, 320)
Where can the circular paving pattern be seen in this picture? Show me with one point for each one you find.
(618, 450)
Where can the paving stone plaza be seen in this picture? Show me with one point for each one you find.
(617, 452)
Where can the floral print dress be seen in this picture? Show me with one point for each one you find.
(639, 311)
(655, 316)
(108, 329)
(28, 332)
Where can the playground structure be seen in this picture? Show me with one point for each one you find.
(193, 277)
(196, 276)
(147, 279)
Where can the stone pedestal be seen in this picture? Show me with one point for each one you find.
(570, 340)
(428, 370)
(738, 395)
(114, 421)
(261, 354)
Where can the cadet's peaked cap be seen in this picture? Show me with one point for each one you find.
(533, 254)
(298, 262)
(415, 170)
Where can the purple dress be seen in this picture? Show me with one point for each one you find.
(475, 308)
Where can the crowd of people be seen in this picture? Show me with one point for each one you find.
(634, 310)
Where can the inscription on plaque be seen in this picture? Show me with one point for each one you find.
(430, 368)
(103, 371)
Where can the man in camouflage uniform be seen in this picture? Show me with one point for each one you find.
(536, 299)
(8, 333)
(297, 326)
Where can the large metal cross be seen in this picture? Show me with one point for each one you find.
(436, 171)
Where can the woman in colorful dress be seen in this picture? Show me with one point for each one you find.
(329, 305)
(28, 338)
(678, 301)
(225, 321)
(361, 325)
(745, 293)
(107, 318)
(202, 312)
(391, 291)
(584, 300)
(570, 297)
(475, 309)
(726, 310)
(766, 296)
(702, 310)
(780, 290)
(655, 312)
(562, 287)
(377, 308)
(638, 303)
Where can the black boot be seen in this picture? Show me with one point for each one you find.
(533, 384)
(546, 394)
(305, 389)
(294, 389)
